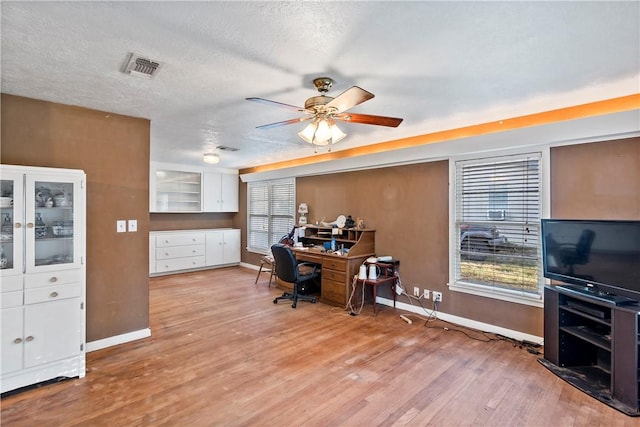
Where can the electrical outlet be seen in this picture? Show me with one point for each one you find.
(416, 291)
(425, 294)
(437, 296)
(121, 226)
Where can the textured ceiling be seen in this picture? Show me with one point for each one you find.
(439, 65)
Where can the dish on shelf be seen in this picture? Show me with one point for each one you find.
(41, 231)
(62, 201)
(62, 228)
(6, 202)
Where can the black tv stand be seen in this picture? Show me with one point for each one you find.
(594, 345)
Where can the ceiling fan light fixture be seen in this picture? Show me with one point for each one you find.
(336, 134)
(307, 133)
(322, 131)
(211, 158)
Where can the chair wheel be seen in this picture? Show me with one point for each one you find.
(293, 305)
(313, 301)
(275, 301)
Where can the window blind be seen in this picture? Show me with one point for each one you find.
(497, 223)
(271, 212)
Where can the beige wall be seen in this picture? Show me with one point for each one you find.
(187, 221)
(600, 180)
(113, 151)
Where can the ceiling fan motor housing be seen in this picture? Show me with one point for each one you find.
(315, 102)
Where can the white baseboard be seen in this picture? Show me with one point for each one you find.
(251, 266)
(118, 339)
(486, 327)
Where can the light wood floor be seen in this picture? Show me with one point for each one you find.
(222, 354)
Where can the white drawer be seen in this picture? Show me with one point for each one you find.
(11, 299)
(11, 283)
(52, 293)
(181, 239)
(179, 251)
(179, 264)
(52, 278)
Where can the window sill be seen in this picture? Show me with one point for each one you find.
(499, 294)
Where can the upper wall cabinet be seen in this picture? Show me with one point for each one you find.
(177, 191)
(186, 189)
(220, 192)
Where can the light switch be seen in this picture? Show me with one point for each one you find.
(121, 226)
(133, 225)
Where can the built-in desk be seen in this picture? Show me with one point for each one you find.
(337, 270)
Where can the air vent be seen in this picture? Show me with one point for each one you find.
(137, 65)
(225, 148)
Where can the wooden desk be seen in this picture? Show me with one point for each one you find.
(387, 276)
(336, 274)
(337, 270)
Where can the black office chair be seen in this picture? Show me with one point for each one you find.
(290, 270)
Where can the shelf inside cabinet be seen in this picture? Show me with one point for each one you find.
(603, 321)
(589, 335)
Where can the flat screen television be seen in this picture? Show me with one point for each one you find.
(595, 257)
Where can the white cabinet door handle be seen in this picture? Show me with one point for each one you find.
(17, 341)
(18, 225)
(29, 225)
(29, 338)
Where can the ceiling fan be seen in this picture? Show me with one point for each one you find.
(324, 111)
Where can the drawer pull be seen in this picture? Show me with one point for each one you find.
(17, 341)
(53, 294)
(53, 279)
(166, 253)
(29, 338)
(166, 241)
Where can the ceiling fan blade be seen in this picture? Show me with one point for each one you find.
(286, 122)
(350, 98)
(276, 104)
(368, 119)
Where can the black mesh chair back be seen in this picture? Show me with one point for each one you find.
(290, 270)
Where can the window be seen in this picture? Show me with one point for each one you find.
(496, 241)
(271, 212)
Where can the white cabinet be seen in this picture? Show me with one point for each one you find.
(43, 275)
(178, 251)
(181, 188)
(174, 251)
(220, 192)
(176, 191)
(223, 247)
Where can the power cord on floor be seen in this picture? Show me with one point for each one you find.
(431, 314)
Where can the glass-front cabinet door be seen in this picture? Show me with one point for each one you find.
(11, 222)
(53, 236)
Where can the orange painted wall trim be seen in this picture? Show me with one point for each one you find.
(598, 108)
